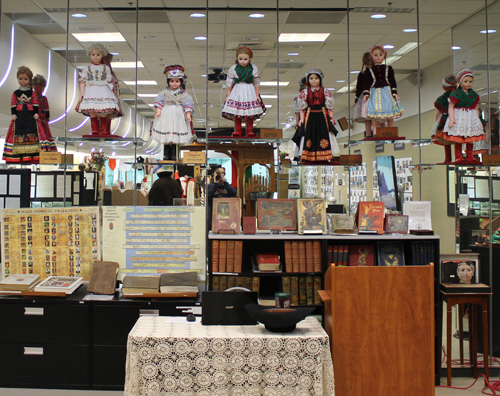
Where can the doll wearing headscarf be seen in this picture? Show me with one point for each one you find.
(45, 135)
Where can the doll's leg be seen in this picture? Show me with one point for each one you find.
(237, 126)
(368, 128)
(166, 152)
(94, 125)
(390, 122)
(173, 152)
(447, 154)
(103, 123)
(108, 126)
(374, 127)
(469, 148)
(458, 153)
(249, 128)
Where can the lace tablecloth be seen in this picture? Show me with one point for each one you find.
(184, 359)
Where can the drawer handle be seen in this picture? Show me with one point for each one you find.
(149, 312)
(33, 351)
(33, 311)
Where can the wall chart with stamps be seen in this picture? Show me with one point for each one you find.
(56, 241)
(151, 240)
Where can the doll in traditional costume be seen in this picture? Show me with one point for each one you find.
(172, 125)
(316, 134)
(482, 146)
(359, 104)
(46, 139)
(22, 143)
(97, 91)
(463, 124)
(449, 84)
(243, 100)
(116, 90)
(380, 91)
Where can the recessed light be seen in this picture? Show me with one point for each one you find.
(140, 82)
(303, 37)
(100, 150)
(288, 125)
(330, 89)
(114, 53)
(274, 83)
(456, 47)
(388, 46)
(488, 31)
(80, 144)
(126, 65)
(409, 30)
(354, 71)
(92, 150)
(378, 16)
(79, 15)
(113, 153)
(197, 15)
(256, 15)
(147, 95)
(203, 75)
(340, 81)
(293, 54)
(99, 37)
(269, 96)
(200, 38)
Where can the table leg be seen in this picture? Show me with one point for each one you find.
(474, 326)
(461, 331)
(448, 340)
(485, 336)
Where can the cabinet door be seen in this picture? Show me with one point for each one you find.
(108, 368)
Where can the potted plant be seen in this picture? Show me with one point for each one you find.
(97, 161)
(283, 159)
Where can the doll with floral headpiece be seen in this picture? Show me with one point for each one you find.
(22, 143)
(360, 105)
(243, 86)
(449, 84)
(46, 139)
(98, 99)
(315, 136)
(380, 91)
(463, 124)
(172, 125)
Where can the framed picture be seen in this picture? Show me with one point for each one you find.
(396, 224)
(387, 182)
(276, 214)
(340, 223)
(226, 216)
(311, 216)
(460, 268)
(294, 176)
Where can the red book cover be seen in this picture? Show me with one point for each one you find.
(335, 258)
(345, 257)
(302, 257)
(249, 225)
(288, 256)
(309, 256)
(222, 256)
(295, 256)
(370, 217)
(226, 216)
(263, 258)
(238, 256)
(361, 255)
(230, 256)
(317, 256)
(215, 256)
(340, 256)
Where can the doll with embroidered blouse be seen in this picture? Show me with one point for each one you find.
(464, 124)
(243, 86)
(98, 93)
(315, 136)
(26, 135)
(380, 91)
(172, 125)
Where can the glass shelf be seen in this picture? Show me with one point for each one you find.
(244, 140)
(417, 142)
(110, 142)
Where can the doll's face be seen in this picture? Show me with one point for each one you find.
(95, 56)
(174, 83)
(378, 56)
(465, 273)
(23, 80)
(467, 82)
(314, 80)
(243, 59)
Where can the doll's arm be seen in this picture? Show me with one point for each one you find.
(231, 75)
(82, 89)
(438, 114)
(159, 102)
(302, 103)
(302, 117)
(13, 106)
(188, 107)
(256, 81)
(451, 114)
(367, 83)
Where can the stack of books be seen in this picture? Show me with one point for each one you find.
(179, 282)
(20, 282)
(267, 262)
(59, 284)
(141, 284)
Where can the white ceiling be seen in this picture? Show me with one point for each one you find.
(228, 27)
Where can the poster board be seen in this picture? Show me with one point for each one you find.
(50, 241)
(152, 240)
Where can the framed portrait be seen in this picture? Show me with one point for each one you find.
(460, 268)
(311, 216)
(396, 224)
(226, 216)
(276, 214)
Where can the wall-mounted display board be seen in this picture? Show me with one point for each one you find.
(56, 241)
(14, 188)
(154, 240)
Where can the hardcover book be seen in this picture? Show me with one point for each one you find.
(390, 254)
(370, 217)
(311, 216)
(222, 255)
(238, 256)
(226, 216)
(302, 290)
(103, 277)
(309, 256)
(288, 256)
(302, 256)
(249, 225)
(20, 282)
(215, 256)
(141, 284)
(396, 224)
(230, 256)
(361, 255)
(340, 223)
(317, 287)
(294, 290)
(295, 256)
(316, 256)
(179, 282)
(276, 214)
(67, 284)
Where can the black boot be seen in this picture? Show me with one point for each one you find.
(166, 152)
(173, 152)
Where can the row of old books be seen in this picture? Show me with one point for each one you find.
(303, 290)
(227, 256)
(389, 254)
(303, 256)
(423, 252)
(223, 282)
(173, 282)
(32, 282)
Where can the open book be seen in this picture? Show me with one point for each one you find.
(179, 282)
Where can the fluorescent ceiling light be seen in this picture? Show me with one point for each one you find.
(409, 30)
(340, 81)
(391, 59)
(98, 37)
(268, 107)
(388, 46)
(269, 96)
(200, 38)
(346, 88)
(330, 89)
(303, 37)
(126, 65)
(488, 31)
(114, 53)
(197, 15)
(378, 16)
(79, 15)
(274, 83)
(147, 95)
(456, 47)
(293, 54)
(256, 15)
(203, 75)
(141, 82)
(408, 47)
(354, 71)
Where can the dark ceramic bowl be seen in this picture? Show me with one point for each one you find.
(278, 320)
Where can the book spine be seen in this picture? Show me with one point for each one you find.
(295, 256)
(340, 257)
(422, 254)
(231, 281)
(413, 253)
(240, 281)
(302, 291)
(222, 256)
(288, 256)
(248, 282)
(330, 255)
(294, 290)
(223, 283)
(215, 256)
(215, 282)
(230, 256)
(310, 290)
(317, 287)
(345, 259)
(317, 264)
(309, 256)
(286, 284)
(238, 256)
(302, 257)
(256, 284)
(335, 258)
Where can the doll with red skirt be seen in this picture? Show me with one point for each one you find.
(26, 132)
(39, 84)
